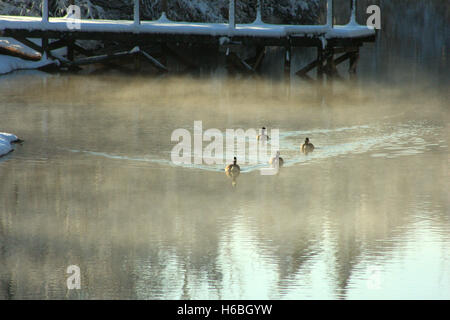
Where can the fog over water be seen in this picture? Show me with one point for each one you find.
(366, 215)
(94, 186)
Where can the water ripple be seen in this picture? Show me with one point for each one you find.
(383, 141)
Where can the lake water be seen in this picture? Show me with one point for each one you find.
(366, 215)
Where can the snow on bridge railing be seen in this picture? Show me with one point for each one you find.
(231, 12)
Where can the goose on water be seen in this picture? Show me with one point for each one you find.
(277, 160)
(233, 170)
(307, 147)
(263, 136)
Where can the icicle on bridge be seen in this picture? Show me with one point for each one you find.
(329, 39)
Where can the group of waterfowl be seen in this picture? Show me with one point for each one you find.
(233, 170)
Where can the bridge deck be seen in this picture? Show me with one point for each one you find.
(164, 28)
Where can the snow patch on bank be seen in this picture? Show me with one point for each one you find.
(10, 63)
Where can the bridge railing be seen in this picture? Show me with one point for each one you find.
(231, 13)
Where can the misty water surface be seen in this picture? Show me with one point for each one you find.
(366, 215)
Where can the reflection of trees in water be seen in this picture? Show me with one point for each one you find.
(285, 229)
(146, 233)
(367, 203)
(379, 197)
(105, 220)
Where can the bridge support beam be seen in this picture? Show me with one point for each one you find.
(45, 47)
(70, 50)
(287, 64)
(158, 65)
(261, 53)
(234, 60)
(326, 63)
(174, 52)
(303, 73)
(320, 64)
(354, 57)
(29, 44)
(331, 70)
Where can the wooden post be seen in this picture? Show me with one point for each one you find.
(163, 58)
(137, 63)
(158, 65)
(331, 66)
(258, 11)
(354, 57)
(70, 43)
(45, 48)
(231, 15)
(320, 65)
(352, 11)
(287, 66)
(330, 13)
(70, 51)
(45, 11)
(261, 52)
(137, 10)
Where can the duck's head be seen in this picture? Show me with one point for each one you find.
(234, 160)
(278, 153)
(263, 129)
(307, 140)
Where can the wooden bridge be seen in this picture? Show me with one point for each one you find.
(335, 43)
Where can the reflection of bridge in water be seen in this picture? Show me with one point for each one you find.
(153, 41)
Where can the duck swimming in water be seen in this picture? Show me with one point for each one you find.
(233, 170)
(307, 147)
(263, 136)
(277, 160)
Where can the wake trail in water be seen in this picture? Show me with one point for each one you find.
(388, 141)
